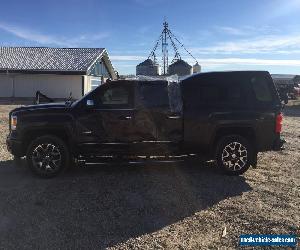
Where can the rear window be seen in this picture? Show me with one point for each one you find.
(262, 89)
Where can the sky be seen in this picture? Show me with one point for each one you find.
(221, 35)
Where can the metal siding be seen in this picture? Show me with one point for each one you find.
(6, 86)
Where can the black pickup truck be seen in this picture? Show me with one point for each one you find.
(225, 116)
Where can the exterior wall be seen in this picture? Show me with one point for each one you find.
(54, 86)
(6, 86)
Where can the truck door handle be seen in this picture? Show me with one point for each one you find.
(174, 116)
(125, 117)
(261, 118)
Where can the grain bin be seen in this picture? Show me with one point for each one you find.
(147, 68)
(180, 67)
(196, 68)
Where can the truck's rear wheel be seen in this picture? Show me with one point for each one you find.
(234, 154)
(47, 156)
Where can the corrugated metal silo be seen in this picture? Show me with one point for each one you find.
(196, 68)
(181, 68)
(147, 68)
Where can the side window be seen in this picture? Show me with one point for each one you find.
(201, 95)
(217, 94)
(118, 96)
(232, 93)
(261, 89)
(154, 95)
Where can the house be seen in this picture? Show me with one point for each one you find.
(55, 72)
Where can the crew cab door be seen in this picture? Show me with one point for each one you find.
(107, 126)
(159, 106)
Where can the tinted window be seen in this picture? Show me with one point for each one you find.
(217, 94)
(154, 94)
(115, 96)
(261, 89)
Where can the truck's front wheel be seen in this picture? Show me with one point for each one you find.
(47, 156)
(234, 154)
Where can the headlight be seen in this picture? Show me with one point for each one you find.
(13, 122)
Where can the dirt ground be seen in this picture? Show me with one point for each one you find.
(167, 206)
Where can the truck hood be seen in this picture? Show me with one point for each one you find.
(46, 106)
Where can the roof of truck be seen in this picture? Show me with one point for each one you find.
(225, 73)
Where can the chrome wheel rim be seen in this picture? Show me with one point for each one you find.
(235, 156)
(46, 157)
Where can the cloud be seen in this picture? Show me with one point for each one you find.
(282, 8)
(231, 30)
(247, 30)
(221, 61)
(127, 58)
(31, 35)
(249, 61)
(265, 44)
(45, 39)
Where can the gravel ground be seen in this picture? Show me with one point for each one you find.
(167, 206)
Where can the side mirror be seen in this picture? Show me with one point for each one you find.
(89, 103)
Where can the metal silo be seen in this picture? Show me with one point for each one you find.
(196, 68)
(147, 68)
(181, 68)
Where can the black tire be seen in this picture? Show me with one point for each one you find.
(47, 156)
(234, 154)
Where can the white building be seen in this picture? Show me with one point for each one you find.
(54, 72)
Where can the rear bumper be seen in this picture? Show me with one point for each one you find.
(15, 147)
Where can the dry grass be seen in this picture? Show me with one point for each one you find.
(4, 110)
(200, 203)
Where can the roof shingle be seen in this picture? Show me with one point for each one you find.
(47, 59)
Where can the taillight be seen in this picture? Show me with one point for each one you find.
(13, 122)
(279, 119)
